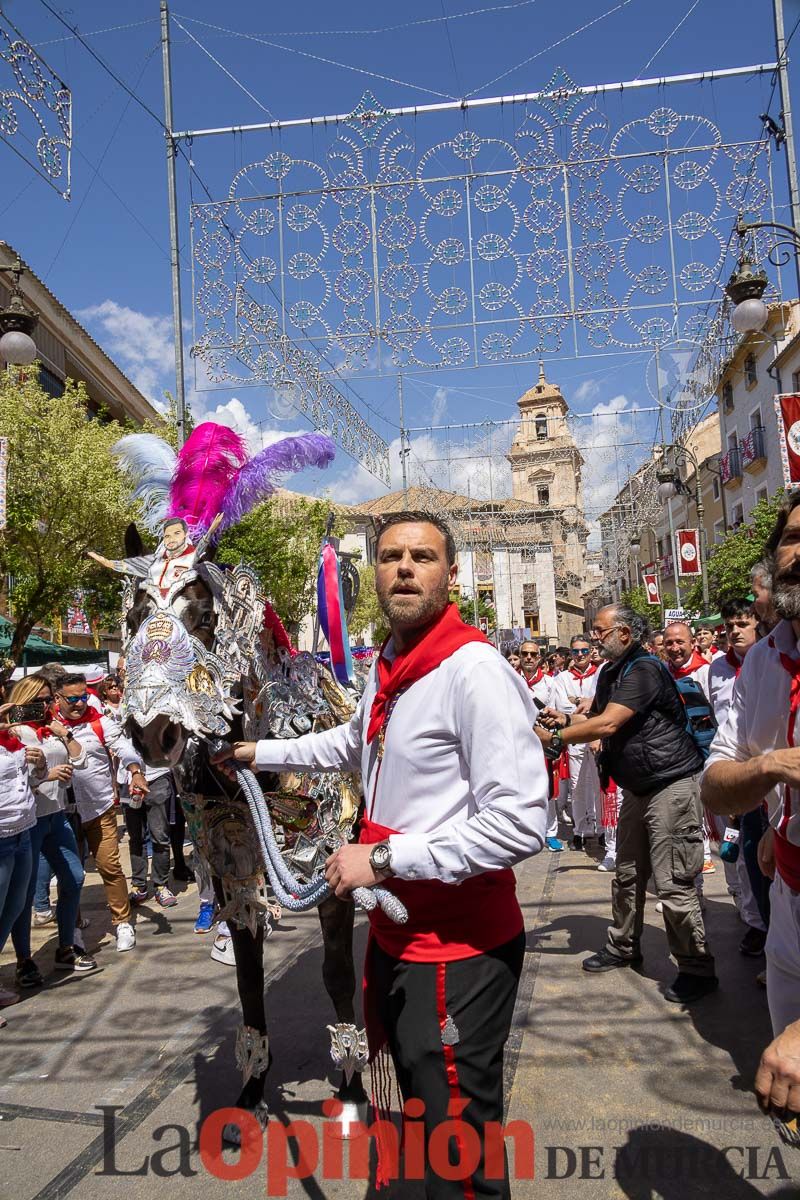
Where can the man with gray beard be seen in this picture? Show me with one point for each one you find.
(755, 759)
(638, 714)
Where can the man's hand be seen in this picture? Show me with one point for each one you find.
(545, 736)
(778, 1074)
(583, 705)
(35, 758)
(350, 868)
(551, 718)
(784, 766)
(138, 783)
(766, 853)
(60, 731)
(61, 774)
(241, 752)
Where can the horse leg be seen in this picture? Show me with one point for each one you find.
(338, 973)
(251, 1042)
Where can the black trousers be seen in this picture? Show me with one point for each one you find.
(474, 998)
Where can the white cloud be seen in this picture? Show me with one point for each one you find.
(607, 443)
(586, 391)
(142, 345)
(439, 411)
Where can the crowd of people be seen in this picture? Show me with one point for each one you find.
(657, 746)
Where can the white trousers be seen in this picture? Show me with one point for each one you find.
(552, 818)
(584, 789)
(783, 956)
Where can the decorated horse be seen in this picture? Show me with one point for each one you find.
(207, 659)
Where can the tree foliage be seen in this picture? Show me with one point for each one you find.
(367, 611)
(281, 542)
(636, 598)
(485, 611)
(64, 497)
(730, 563)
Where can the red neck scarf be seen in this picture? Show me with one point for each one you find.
(9, 742)
(442, 639)
(590, 670)
(534, 679)
(89, 715)
(694, 663)
(787, 855)
(733, 660)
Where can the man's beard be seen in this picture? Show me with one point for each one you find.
(412, 613)
(612, 648)
(786, 597)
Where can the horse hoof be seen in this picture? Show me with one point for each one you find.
(352, 1115)
(231, 1133)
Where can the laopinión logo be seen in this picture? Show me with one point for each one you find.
(300, 1149)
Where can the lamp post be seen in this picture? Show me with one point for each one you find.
(17, 324)
(748, 282)
(670, 484)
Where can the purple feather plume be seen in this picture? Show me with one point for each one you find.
(255, 481)
(205, 468)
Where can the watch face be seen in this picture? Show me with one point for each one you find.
(380, 856)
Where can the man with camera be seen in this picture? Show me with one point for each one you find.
(640, 719)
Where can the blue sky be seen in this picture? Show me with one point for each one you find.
(105, 253)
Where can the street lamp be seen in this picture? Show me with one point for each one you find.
(670, 484)
(17, 324)
(748, 282)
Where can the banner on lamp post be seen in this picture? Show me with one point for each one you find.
(788, 412)
(651, 587)
(688, 555)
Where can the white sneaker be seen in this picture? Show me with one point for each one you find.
(659, 907)
(222, 950)
(609, 863)
(43, 918)
(126, 937)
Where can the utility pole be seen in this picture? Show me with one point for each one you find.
(788, 128)
(174, 253)
(404, 450)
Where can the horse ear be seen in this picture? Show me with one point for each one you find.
(134, 546)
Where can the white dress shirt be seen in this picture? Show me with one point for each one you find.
(757, 718)
(721, 679)
(93, 785)
(462, 778)
(542, 689)
(50, 794)
(569, 688)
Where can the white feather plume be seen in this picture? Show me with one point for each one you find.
(149, 462)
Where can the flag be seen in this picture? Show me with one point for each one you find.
(332, 618)
(688, 551)
(788, 410)
(652, 588)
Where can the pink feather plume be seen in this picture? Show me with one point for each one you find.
(206, 465)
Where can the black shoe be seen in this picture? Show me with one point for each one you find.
(601, 841)
(183, 874)
(28, 974)
(604, 960)
(577, 842)
(752, 944)
(686, 988)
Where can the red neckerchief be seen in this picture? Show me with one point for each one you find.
(9, 742)
(590, 670)
(733, 660)
(694, 664)
(90, 715)
(537, 678)
(439, 642)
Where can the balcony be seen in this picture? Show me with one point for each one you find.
(754, 451)
(730, 466)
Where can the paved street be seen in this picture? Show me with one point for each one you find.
(593, 1062)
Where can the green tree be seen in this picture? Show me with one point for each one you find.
(281, 541)
(64, 497)
(730, 563)
(367, 611)
(466, 607)
(636, 598)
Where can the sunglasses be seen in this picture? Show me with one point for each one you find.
(75, 699)
(529, 654)
(577, 651)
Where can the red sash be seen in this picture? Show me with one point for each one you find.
(787, 854)
(9, 742)
(440, 641)
(446, 921)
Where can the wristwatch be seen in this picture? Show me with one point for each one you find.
(556, 743)
(380, 858)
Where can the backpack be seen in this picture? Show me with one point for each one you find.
(701, 724)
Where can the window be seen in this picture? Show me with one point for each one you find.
(733, 441)
(762, 494)
(727, 396)
(750, 373)
(755, 419)
(543, 494)
(715, 491)
(737, 516)
(50, 382)
(719, 531)
(796, 381)
(541, 427)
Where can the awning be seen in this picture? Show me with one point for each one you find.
(38, 650)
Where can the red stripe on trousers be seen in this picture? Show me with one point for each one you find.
(450, 1064)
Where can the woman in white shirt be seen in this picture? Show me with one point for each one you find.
(52, 835)
(17, 818)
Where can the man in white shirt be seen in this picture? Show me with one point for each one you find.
(93, 788)
(754, 757)
(456, 794)
(573, 691)
(540, 686)
(745, 880)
